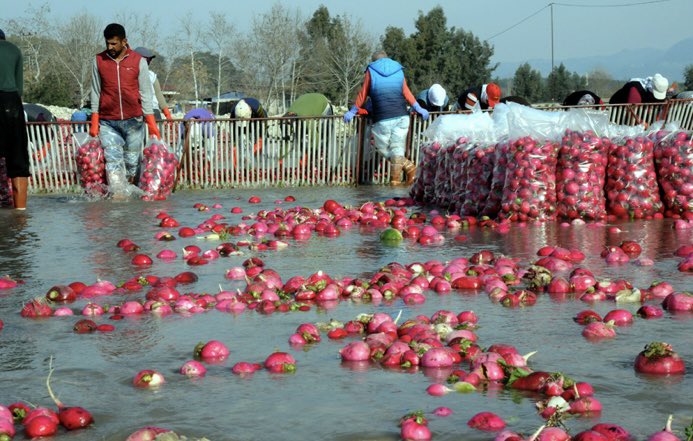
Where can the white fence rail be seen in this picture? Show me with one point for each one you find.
(274, 152)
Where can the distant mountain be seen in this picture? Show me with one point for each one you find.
(626, 64)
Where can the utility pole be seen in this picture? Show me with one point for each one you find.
(552, 63)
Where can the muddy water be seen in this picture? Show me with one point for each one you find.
(63, 239)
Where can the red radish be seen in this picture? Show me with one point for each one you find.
(355, 351)
(186, 277)
(245, 368)
(678, 301)
(486, 421)
(442, 411)
(141, 260)
(553, 434)
(612, 432)
(147, 434)
(620, 317)
(148, 379)
(665, 434)
(632, 249)
(36, 308)
(7, 430)
(280, 362)
(70, 417)
(40, 426)
(438, 390)
(414, 431)
(105, 327)
(213, 350)
(660, 289)
(658, 358)
(650, 312)
(84, 326)
(590, 435)
(193, 369)
(587, 316)
(254, 200)
(585, 405)
(19, 411)
(158, 169)
(599, 331)
(61, 293)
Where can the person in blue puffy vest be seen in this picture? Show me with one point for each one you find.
(385, 84)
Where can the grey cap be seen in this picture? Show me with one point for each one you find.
(146, 53)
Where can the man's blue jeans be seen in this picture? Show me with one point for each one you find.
(122, 144)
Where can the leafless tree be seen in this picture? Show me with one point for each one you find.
(32, 32)
(190, 39)
(142, 30)
(270, 52)
(346, 55)
(219, 36)
(79, 40)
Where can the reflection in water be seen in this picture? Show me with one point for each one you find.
(16, 242)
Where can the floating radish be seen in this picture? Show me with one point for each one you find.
(659, 358)
(148, 379)
(213, 350)
(599, 331)
(280, 362)
(612, 432)
(71, 418)
(487, 421)
(193, 369)
(147, 434)
(665, 434)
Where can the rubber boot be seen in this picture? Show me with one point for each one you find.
(396, 170)
(19, 191)
(410, 171)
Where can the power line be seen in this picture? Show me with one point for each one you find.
(518, 23)
(601, 5)
(577, 5)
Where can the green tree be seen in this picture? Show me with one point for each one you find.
(434, 53)
(527, 83)
(688, 77)
(559, 84)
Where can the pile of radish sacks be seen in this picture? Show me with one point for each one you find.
(157, 169)
(526, 164)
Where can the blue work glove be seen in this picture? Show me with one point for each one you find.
(420, 110)
(350, 114)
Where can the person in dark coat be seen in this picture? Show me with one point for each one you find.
(248, 108)
(582, 98)
(14, 142)
(642, 90)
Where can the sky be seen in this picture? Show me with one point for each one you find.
(579, 31)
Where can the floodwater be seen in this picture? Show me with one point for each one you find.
(61, 239)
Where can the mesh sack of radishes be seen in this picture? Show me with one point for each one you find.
(530, 180)
(458, 173)
(91, 165)
(631, 181)
(6, 199)
(441, 183)
(423, 189)
(158, 170)
(477, 184)
(495, 195)
(581, 175)
(673, 155)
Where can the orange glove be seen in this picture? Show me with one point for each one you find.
(151, 124)
(94, 128)
(167, 113)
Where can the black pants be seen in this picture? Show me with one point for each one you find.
(13, 137)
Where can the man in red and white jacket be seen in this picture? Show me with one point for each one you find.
(121, 98)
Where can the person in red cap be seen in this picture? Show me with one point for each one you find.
(121, 98)
(479, 98)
